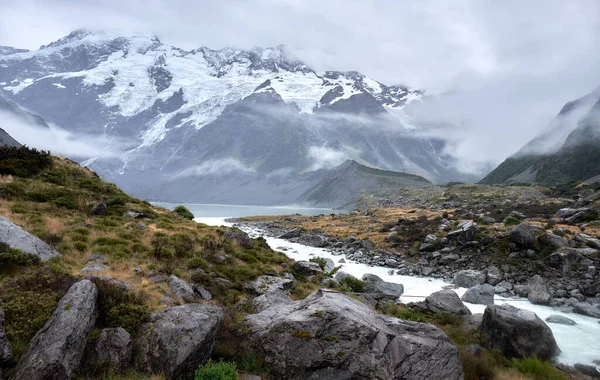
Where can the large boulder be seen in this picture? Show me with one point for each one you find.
(6, 355)
(313, 240)
(588, 240)
(524, 235)
(538, 292)
(177, 340)
(331, 336)
(17, 238)
(380, 289)
(494, 275)
(56, 350)
(565, 259)
(266, 284)
(182, 289)
(465, 233)
(445, 300)
(518, 333)
(561, 320)
(291, 234)
(307, 268)
(482, 294)
(468, 278)
(588, 309)
(552, 241)
(240, 236)
(112, 349)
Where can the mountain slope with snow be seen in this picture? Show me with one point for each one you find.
(568, 150)
(198, 112)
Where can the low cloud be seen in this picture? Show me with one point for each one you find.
(60, 141)
(326, 158)
(215, 167)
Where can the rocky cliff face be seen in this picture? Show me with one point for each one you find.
(211, 116)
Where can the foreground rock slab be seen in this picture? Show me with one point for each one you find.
(518, 333)
(177, 340)
(17, 238)
(5, 348)
(56, 350)
(331, 336)
(112, 349)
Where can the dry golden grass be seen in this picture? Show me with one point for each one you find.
(509, 374)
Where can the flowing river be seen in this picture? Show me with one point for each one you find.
(579, 343)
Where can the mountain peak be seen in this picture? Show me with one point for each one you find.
(101, 36)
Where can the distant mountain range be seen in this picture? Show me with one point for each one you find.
(202, 123)
(568, 150)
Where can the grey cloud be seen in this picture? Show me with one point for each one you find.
(505, 68)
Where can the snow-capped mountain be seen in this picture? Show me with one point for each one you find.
(204, 112)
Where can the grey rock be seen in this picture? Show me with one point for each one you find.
(17, 238)
(112, 349)
(202, 292)
(307, 268)
(468, 278)
(265, 284)
(223, 282)
(538, 292)
(517, 214)
(341, 275)
(158, 278)
(344, 337)
(132, 215)
(482, 294)
(494, 275)
(177, 340)
(380, 289)
(561, 320)
(291, 234)
(97, 258)
(182, 289)
(588, 240)
(329, 265)
(552, 240)
(141, 226)
(313, 240)
(588, 370)
(240, 236)
(445, 300)
(521, 290)
(524, 235)
(473, 321)
(518, 333)
(6, 354)
(94, 268)
(430, 239)
(245, 376)
(98, 209)
(565, 258)
(466, 232)
(568, 212)
(57, 349)
(585, 308)
(270, 299)
(449, 259)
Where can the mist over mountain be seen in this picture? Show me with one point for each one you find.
(195, 115)
(568, 150)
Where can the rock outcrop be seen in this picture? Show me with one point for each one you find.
(112, 349)
(177, 340)
(380, 289)
(518, 333)
(482, 294)
(56, 350)
(266, 284)
(468, 278)
(524, 235)
(307, 268)
(6, 355)
(17, 238)
(331, 336)
(182, 289)
(538, 292)
(445, 300)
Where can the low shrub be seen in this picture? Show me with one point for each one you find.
(12, 259)
(537, 369)
(217, 371)
(64, 202)
(23, 161)
(197, 263)
(511, 221)
(120, 308)
(119, 200)
(320, 261)
(354, 284)
(183, 212)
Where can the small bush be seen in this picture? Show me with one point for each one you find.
(18, 209)
(23, 161)
(197, 263)
(160, 245)
(67, 203)
(538, 369)
(80, 246)
(119, 200)
(183, 212)
(183, 245)
(120, 308)
(320, 261)
(217, 371)
(355, 285)
(11, 259)
(511, 221)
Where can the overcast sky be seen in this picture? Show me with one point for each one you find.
(510, 65)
